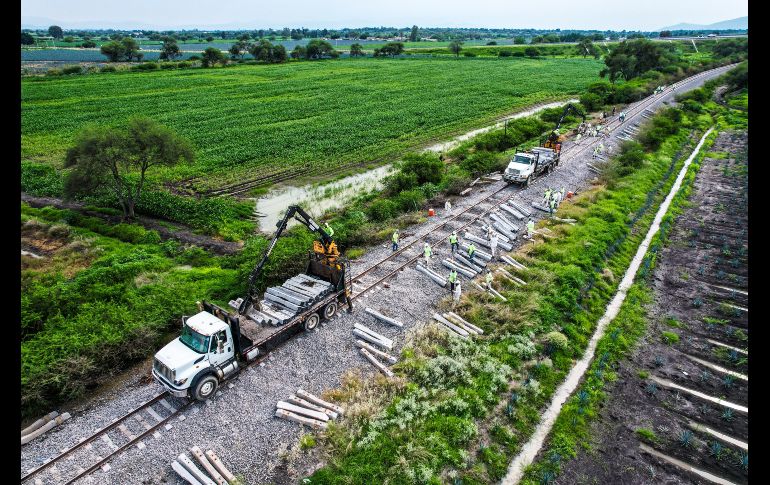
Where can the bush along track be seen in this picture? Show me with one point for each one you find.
(458, 411)
(677, 307)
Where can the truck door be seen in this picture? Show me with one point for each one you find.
(221, 349)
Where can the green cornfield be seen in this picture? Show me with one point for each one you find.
(248, 119)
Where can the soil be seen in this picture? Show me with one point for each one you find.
(688, 269)
(166, 230)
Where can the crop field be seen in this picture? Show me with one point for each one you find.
(311, 116)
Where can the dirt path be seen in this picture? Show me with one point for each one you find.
(671, 413)
(167, 230)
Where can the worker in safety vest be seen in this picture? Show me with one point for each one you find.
(427, 252)
(493, 244)
(452, 280)
(448, 208)
(552, 206)
(488, 278)
(546, 196)
(395, 240)
(329, 230)
(453, 241)
(530, 228)
(471, 251)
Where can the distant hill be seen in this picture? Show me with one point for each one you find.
(741, 23)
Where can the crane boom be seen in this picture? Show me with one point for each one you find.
(326, 248)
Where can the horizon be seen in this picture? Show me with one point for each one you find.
(651, 16)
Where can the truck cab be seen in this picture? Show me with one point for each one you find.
(524, 166)
(195, 362)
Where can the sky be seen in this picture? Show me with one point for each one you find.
(643, 15)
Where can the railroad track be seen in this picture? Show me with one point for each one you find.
(129, 429)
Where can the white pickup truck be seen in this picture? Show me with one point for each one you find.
(525, 166)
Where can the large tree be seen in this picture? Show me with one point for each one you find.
(318, 49)
(356, 49)
(118, 158)
(170, 49)
(633, 58)
(413, 35)
(587, 48)
(119, 50)
(212, 56)
(55, 31)
(27, 39)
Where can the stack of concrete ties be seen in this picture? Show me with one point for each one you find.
(457, 325)
(295, 295)
(305, 408)
(210, 462)
(367, 336)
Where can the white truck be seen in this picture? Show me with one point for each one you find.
(214, 340)
(525, 166)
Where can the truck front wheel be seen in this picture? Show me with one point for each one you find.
(311, 322)
(526, 182)
(206, 387)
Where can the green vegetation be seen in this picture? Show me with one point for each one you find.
(339, 122)
(669, 337)
(648, 435)
(551, 318)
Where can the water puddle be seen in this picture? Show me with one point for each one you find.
(316, 198)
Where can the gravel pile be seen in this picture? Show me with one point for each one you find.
(239, 423)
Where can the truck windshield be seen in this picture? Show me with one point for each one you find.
(194, 340)
(524, 160)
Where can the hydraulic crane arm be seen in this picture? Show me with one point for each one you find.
(327, 248)
(567, 109)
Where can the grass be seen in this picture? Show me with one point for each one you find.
(669, 337)
(646, 434)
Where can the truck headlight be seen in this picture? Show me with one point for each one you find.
(180, 382)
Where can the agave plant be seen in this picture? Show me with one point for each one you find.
(615, 334)
(721, 275)
(727, 414)
(705, 375)
(555, 458)
(701, 270)
(685, 438)
(583, 397)
(697, 303)
(547, 477)
(659, 361)
(704, 409)
(652, 388)
(728, 381)
(733, 355)
(743, 460)
(716, 450)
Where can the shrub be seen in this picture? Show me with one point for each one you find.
(72, 70)
(557, 340)
(504, 54)
(145, 66)
(184, 64)
(591, 101)
(400, 181)
(670, 337)
(426, 167)
(646, 434)
(409, 200)
(382, 210)
(108, 69)
(469, 54)
(481, 162)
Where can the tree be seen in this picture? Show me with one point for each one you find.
(55, 31)
(170, 50)
(209, 39)
(237, 50)
(27, 39)
(391, 49)
(519, 40)
(585, 48)
(69, 39)
(213, 56)
(262, 50)
(531, 52)
(665, 33)
(88, 44)
(279, 54)
(492, 42)
(318, 49)
(299, 52)
(455, 47)
(118, 159)
(356, 49)
(633, 58)
(126, 49)
(413, 36)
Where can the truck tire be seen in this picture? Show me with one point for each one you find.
(526, 182)
(311, 321)
(205, 387)
(330, 310)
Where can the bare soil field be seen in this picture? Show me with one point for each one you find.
(700, 293)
